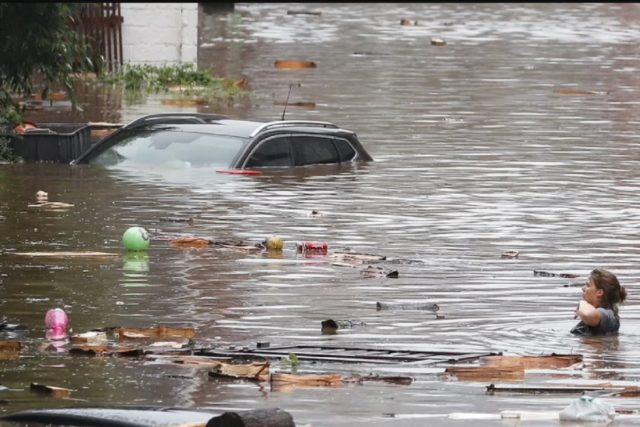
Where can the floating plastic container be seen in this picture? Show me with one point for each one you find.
(53, 142)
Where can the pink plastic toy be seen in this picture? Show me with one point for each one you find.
(56, 321)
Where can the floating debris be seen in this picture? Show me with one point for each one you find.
(378, 271)
(312, 247)
(533, 362)
(256, 417)
(50, 390)
(183, 102)
(176, 219)
(408, 22)
(90, 338)
(357, 257)
(273, 243)
(308, 380)
(304, 12)
(548, 274)
(575, 92)
(160, 331)
(478, 373)
(493, 388)
(309, 105)
(331, 326)
(294, 63)
(51, 205)
(255, 370)
(391, 380)
(510, 254)
(438, 42)
(104, 350)
(407, 306)
(10, 350)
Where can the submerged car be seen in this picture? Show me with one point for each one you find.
(210, 140)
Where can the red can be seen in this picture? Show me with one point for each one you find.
(316, 247)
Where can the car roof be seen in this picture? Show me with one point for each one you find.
(238, 128)
(222, 125)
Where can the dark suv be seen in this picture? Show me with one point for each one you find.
(210, 140)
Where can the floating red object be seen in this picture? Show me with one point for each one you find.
(239, 172)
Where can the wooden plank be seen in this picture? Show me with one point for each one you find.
(160, 331)
(484, 373)
(532, 362)
(308, 380)
(253, 370)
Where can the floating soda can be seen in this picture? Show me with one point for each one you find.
(312, 247)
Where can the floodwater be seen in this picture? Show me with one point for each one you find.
(521, 133)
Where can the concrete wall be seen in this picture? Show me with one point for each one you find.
(159, 33)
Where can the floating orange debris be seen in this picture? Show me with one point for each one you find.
(409, 22)
(190, 242)
(310, 105)
(294, 63)
(50, 390)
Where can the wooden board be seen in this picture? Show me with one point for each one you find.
(532, 362)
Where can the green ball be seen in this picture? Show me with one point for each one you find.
(136, 239)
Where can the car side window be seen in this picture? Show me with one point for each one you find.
(345, 150)
(309, 150)
(272, 152)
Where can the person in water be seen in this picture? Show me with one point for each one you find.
(598, 309)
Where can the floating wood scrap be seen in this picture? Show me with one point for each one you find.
(483, 373)
(284, 381)
(407, 306)
(510, 254)
(51, 205)
(532, 362)
(65, 254)
(391, 380)
(254, 370)
(293, 63)
(567, 91)
(176, 219)
(438, 42)
(50, 390)
(89, 338)
(201, 242)
(408, 22)
(254, 418)
(160, 331)
(183, 102)
(354, 259)
(494, 388)
(304, 12)
(379, 271)
(105, 350)
(331, 326)
(303, 104)
(548, 274)
(10, 350)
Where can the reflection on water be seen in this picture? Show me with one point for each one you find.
(520, 134)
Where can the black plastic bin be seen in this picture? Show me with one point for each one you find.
(53, 142)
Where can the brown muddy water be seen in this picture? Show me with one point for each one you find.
(521, 133)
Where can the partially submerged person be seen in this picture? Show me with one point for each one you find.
(598, 309)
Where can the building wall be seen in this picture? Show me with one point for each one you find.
(159, 33)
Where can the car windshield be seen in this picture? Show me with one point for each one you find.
(171, 148)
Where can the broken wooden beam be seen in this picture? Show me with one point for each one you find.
(254, 418)
(387, 379)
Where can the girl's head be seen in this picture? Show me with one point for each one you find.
(603, 290)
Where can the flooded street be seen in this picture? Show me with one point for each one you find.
(521, 133)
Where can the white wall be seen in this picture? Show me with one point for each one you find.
(159, 33)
